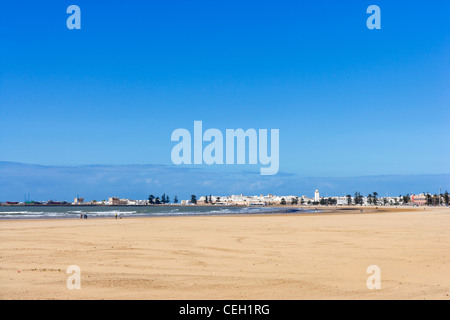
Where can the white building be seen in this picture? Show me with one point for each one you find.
(316, 196)
(342, 201)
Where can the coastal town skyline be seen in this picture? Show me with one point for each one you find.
(441, 198)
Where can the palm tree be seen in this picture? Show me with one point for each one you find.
(406, 198)
(429, 200)
(349, 200)
(375, 200)
(435, 200)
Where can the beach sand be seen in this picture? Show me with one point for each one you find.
(314, 256)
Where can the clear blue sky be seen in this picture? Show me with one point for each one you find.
(348, 101)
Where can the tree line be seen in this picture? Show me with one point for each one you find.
(372, 199)
(357, 199)
(163, 200)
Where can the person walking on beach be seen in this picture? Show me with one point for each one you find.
(116, 215)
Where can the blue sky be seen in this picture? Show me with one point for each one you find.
(348, 101)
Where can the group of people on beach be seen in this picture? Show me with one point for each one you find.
(84, 216)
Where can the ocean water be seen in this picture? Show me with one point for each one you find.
(40, 212)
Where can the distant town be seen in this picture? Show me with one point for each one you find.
(423, 199)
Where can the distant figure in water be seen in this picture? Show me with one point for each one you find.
(85, 216)
(81, 216)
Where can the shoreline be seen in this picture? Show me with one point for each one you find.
(290, 211)
(76, 216)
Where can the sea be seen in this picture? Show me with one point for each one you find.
(58, 212)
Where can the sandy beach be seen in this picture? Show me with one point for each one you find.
(309, 256)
